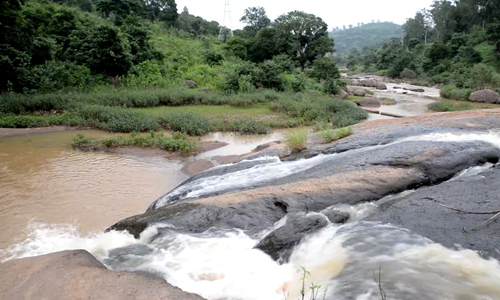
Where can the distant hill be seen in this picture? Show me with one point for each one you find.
(367, 35)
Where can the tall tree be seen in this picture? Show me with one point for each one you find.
(256, 19)
(309, 34)
(163, 10)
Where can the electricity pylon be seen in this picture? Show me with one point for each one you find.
(224, 26)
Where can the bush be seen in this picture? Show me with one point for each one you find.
(324, 69)
(187, 123)
(408, 74)
(445, 105)
(249, 126)
(117, 119)
(297, 141)
(452, 92)
(151, 140)
(213, 58)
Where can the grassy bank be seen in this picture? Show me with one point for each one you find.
(456, 105)
(189, 111)
(175, 143)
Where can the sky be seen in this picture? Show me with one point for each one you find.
(333, 12)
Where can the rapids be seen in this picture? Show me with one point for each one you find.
(358, 260)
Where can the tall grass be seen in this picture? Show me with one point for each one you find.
(296, 141)
(328, 135)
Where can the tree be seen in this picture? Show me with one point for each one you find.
(103, 49)
(163, 10)
(308, 33)
(324, 69)
(120, 8)
(256, 19)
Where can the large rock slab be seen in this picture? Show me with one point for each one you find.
(485, 96)
(75, 275)
(421, 213)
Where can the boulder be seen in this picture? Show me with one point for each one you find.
(381, 86)
(354, 82)
(397, 87)
(342, 95)
(359, 93)
(485, 96)
(77, 274)
(369, 83)
(369, 102)
(416, 90)
(351, 89)
(190, 84)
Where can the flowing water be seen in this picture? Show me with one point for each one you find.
(352, 261)
(408, 103)
(42, 179)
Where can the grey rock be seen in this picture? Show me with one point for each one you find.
(279, 243)
(369, 102)
(359, 93)
(485, 96)
(190, 84)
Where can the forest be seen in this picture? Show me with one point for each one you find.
(364, 36)
(453, 43)
(96, 63)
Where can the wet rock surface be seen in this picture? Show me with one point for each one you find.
(279, 243)
(422, 213)
(371, 164)
(78, 275)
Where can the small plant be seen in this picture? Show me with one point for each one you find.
(328, 136)
(297, 141)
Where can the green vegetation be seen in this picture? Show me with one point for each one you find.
(296, 141)
(454, 43)
(363, 36)
(175, 143)
(137, 66)
(452, 105)
(452, 92)
(328, 135)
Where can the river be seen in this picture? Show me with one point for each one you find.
(44, 181)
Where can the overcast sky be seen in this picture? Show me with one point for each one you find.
(333, 12)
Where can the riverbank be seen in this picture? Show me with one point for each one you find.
(6, 132)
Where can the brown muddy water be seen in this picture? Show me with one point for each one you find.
(42, 179)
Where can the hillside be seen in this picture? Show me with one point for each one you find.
(367, 35)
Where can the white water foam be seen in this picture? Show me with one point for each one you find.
(342, 260)
(278, 169)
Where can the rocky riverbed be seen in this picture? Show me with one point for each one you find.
(407, 199)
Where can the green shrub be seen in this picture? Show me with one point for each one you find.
(296, 141)
(324, 68)
(452, 92)
(408, 74)
(188, 123)
(151, 140)
(249, 126)
(117, 119)
(445, 105)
